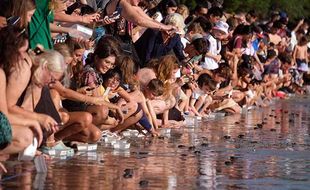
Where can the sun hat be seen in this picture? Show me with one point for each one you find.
(176, 20)
(222, 26)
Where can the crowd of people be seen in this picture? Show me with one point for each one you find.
(146, 65)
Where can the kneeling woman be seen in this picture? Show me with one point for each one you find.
(50, 68)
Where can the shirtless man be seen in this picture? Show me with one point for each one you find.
(300, 54)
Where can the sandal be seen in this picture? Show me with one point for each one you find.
(60, 149)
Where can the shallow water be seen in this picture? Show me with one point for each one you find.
(231, 152)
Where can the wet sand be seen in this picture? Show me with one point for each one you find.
(259, 149)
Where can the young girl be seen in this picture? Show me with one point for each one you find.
(119, 96)
(129, 70)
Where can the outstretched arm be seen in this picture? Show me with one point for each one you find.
(133, 14)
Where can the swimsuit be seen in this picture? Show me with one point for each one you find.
(5, 132)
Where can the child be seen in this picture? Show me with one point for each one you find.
(129, 70)
(213, 57)
(201, 97)
(118, 95)
(300, 54)
(132, 110)
(153, 94)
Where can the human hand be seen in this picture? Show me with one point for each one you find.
(217, 58)
(119, 115)
(106, 20)
(89, 44)
(47, 123)
(181, 81)
(301, 22)
(167, 28)
(88, 19)
(56, 85)
(89, 91)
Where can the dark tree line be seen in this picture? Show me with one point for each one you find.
(295, 8)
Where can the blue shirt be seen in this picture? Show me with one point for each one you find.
(151, 45)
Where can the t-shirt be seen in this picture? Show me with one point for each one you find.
(293, 42)
(39, 28)
(214, 49)
(255, 45)
(238, 42)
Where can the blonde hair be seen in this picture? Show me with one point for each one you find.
(129, 69)
(54, 62)
(64, 50)
(176, 20)
(195, 28)
(183, 10)
(165, 67)
(20, 8)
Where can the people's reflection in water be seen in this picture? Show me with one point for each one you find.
(172, 163)
(23, 171)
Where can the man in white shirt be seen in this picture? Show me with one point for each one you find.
(213, 57)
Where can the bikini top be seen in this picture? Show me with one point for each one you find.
(46, 105)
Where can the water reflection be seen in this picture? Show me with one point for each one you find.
(260, 149)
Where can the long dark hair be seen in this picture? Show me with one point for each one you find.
(116, 72)
(11, 40)
(106, 46)
(162, 7)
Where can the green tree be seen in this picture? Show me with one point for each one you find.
(294, 8)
